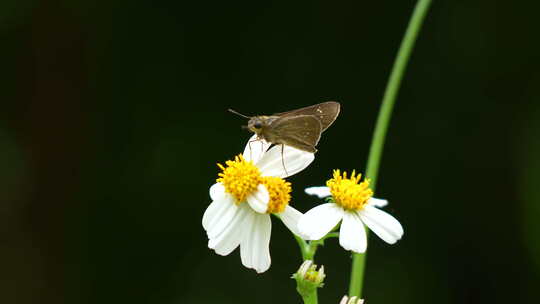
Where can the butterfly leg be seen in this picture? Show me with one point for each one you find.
(249, 144)
(283, 159)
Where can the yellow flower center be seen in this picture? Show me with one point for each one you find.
(239, 177)
(349, 193)
(279, 191)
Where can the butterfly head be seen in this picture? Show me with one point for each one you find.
(257, 123)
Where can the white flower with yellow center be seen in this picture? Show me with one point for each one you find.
(352, 204)
(248, 190)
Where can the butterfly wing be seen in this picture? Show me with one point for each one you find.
(299, 131)
(326, 112)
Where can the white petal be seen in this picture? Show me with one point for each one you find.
(255, 246)
(231, 236)
(249, 225)
(255, 148)
(377, 202)
(292, 161)
(218, 214)
(224, 217)
(321, 191)
(290, 218)
(320, 220)
(259, 199)
(210, 213)
(352, 234)
(382, 224)
(217, 191)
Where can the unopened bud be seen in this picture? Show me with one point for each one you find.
(308, 279)
(308, 272)
(304, 268)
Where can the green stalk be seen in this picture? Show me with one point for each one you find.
(312, 298)
(377, 143)
(304, 247)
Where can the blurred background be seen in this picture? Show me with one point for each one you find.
(113, 116)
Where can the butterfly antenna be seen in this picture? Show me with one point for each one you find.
(242, 115)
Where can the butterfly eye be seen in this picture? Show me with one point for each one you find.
(257, 125)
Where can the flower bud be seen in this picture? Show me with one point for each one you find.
(308, 272)
(308, 278)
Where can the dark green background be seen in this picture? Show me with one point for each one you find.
(113, 115)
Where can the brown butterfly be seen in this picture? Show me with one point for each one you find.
(300, 128)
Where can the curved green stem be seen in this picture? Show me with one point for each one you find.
(306, 289)
(308, 249)
(377, 143)
(304, 247)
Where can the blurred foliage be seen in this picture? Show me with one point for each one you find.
(114, 115)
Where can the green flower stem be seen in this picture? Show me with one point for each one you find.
(310, 298)
(304, 247)
(377, 144)
(309, 249)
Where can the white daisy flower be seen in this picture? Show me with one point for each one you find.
(352, 300)
(352, 204)
(248, 190)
